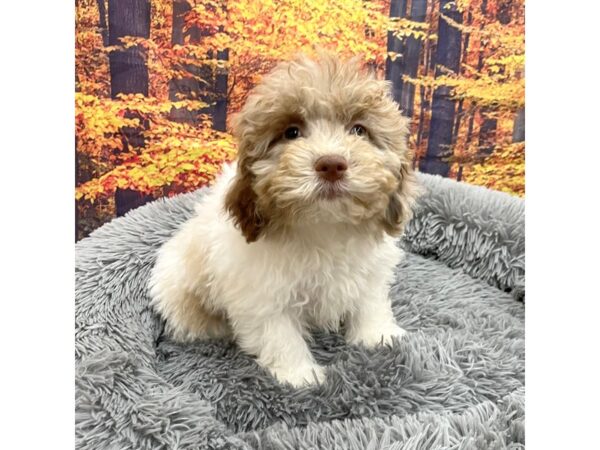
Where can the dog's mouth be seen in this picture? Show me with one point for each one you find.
(332, 191)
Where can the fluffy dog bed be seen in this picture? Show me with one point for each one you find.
(456, 381)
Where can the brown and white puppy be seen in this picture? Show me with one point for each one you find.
(300, 232)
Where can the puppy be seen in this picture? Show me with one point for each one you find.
(299, 233)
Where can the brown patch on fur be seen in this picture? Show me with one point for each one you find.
(399, 210)
(241, 203)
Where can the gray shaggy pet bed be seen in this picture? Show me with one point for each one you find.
(455, 382)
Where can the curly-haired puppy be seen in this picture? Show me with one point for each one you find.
(299, 233)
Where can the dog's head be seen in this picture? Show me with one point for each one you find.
(321, 142)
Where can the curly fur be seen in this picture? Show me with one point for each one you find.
(270, 253)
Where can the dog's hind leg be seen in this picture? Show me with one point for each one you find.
(180, 291)
(188, 320)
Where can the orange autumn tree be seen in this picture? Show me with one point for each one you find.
(174, 156)
(488, 91)
(497, 90)
(259, 34)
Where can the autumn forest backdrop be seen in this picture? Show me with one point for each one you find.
(158, 80)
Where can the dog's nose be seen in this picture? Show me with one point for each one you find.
(331, 167)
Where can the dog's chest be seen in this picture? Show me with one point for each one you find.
(331, 281)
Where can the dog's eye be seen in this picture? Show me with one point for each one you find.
(292, 133)
(358, 130)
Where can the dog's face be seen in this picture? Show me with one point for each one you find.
(321, 142)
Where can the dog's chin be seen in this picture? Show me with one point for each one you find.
(333, 204)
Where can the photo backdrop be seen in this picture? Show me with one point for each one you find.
(158, 80)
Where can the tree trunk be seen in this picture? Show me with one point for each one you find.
(505, 11)
(128, 75)
(180, 9)
(394, 69)
(519, 126)
(425, 92)
(425, 96)
(487, 134)
(220, 87)
(447, 56)
(424, 106)
(188, 88)
(220, 111)
(483, 10)
(369, 34)
(412, 55)
(487, 131)
(102, 21)
(460, 111)
(465, 53)
(128, 70)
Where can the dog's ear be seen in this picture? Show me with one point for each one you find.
(240, 202)
(399, 210)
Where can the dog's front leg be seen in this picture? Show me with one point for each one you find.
(373, 322)
(276, 340)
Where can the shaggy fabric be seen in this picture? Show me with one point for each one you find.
(455, 382)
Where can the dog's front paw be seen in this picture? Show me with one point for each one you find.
(303, 375)
(371, 337)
